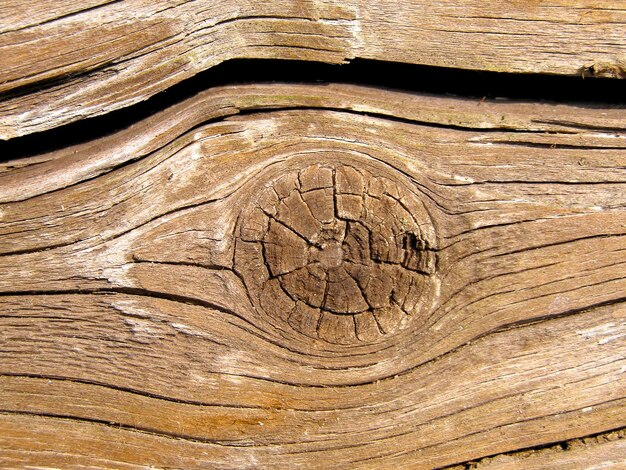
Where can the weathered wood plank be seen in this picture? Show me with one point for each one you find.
(521, 124)
(512, 389)
(60, 64)
(606, 450)
(151, 284)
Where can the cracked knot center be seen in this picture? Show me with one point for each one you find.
(331, 255)
(338, 248)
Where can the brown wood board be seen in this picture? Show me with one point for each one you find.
(65, 61)
(174, 294)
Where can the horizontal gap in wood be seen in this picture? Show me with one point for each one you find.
(388, 75)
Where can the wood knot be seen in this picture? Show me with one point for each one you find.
(337, 253)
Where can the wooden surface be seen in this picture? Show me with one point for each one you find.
(63, 61)
(606, 450)
(173, 295)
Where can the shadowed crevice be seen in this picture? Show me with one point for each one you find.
(417, 79)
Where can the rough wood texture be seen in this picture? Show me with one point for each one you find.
(62, 61)
(607, 450)
(173, 294)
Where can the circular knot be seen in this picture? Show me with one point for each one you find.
(336, 252)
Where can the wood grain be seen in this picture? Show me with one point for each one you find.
(151, 300)
(61, 63)
(606, 450)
